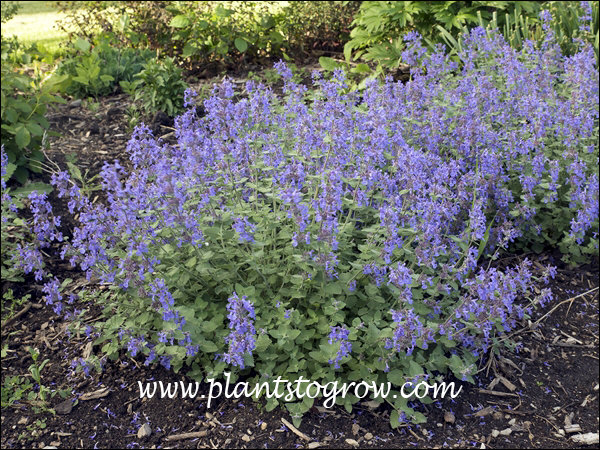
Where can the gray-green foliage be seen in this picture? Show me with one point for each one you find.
(302, 205)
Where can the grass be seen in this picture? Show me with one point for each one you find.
(34, 23)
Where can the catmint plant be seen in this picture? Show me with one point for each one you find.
(338, 235)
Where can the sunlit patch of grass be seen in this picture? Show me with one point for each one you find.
(35, 23)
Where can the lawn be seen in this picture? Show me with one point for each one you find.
(35, 22)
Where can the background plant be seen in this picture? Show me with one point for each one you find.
(138, 23)
(325, 25)
(17, 389)
(14, 389)
(158, 87)
(23, 121)
(9, 46)
(24, 104)
(222, 33)
(379, 25)
(9, 10)
(570, 24)
(574, 21)
(98, 69)
(34, 25)
(252, 30)
(41, 393)
(10, 303)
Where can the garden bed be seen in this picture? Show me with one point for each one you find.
(555, 372)
(557, 376)
(440, 225)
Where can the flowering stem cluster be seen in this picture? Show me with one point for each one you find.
(340, 232)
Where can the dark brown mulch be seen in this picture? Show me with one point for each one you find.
(554, 374)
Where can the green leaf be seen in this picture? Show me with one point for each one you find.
(189, 49)
(348, 52)
(210, 326)
(418, 417)
(22, 136)
(223, 12)
(396, 377)
(262, 343)
(361, 69)
(191, 262)
(21, 175)
(464, 246)
(34, 129)
(240, 44)
(414, 369)
(208, 346)
(272, 403)
(333, 288)
(82, 45)
(318, 356)
(11, 115)
(10, 169)
(329, 63)
(74, 171)
(179, 21)
(23, 106)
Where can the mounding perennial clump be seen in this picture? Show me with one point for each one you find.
(339, 235)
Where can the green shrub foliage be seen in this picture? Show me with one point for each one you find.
(159, 87)
(225, 33)
(379, 25)
(97, 68)
(24, 125)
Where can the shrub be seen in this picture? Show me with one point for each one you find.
(130, 23)
(570, 24)
(8, 11)
(87, 19)
(97, 69)
(253, 30)
(379, 25)
(224, 32)
(24, 105)
(158, 87)
(324, 25)
(199, 33)
(337, 237)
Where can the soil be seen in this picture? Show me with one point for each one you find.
(533, 398)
